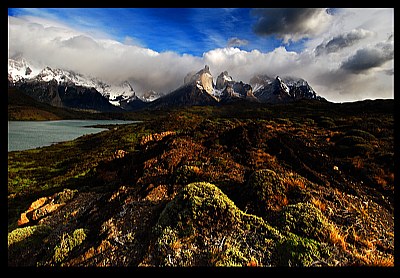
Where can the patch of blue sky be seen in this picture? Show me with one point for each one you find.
(192, 31)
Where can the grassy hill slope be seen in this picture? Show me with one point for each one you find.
(303, 184)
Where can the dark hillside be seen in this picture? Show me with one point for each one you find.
(302, 184)
(23, 107)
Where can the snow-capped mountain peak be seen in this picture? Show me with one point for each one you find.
(64, 76)
(282, 89)
(20, 70)
(150, 96)
(282, 86)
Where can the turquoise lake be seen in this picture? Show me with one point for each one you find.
(24, 135)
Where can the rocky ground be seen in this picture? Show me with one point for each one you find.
(298, 185)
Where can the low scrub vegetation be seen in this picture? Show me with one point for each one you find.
(305, 184)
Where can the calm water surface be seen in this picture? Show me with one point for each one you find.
(24, 135)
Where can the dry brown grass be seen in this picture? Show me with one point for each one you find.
(337, 238)
(372, 257)
(280, 201)
(319, 204)
(358, 162)
(252, 262)
(293, 182)
(176, 245)
(380, 181)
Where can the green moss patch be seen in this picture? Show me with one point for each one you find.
(27, 235)
(202, 226)
(23, 243)
(306, 220)
(266, 190)
(64, 196)
(67, 243)
(297, 251)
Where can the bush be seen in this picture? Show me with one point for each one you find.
(295, 251)
(187, 174)
(306, 220)
(353, 145)
(326, 122)
(24, 242)
(350, 141)
(27, 234)
(362, 149)
(64, 196)
(361, 133)
(202, 215)
(283, 121)
(267, 191)
(67, 243)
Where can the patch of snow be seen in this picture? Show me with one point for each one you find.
(114, 102)
(217, 93)
(18, 71)
(227, 78)
(257, 87)
(21, 69)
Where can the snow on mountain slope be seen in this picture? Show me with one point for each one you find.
(20, 69)
(277, 89)
(150, 96)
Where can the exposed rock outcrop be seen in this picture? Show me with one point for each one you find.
(203, 79)
(223, 80)
(45, 206)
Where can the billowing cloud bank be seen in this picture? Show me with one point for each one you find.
(348, 54)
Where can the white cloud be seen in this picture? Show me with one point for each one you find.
(57, 45)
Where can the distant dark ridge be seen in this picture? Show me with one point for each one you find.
(23, 107)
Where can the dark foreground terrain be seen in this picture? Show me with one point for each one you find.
(304, 184)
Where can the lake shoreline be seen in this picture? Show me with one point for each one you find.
(26, 135)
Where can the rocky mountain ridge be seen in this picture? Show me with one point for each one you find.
(278, 90)
(55, 87)
(199, 89)
(21, 71)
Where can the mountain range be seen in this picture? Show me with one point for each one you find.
(68, 89)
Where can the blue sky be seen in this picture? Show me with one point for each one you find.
(181, 30)
(345, 54)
